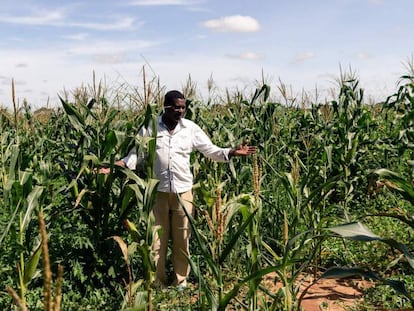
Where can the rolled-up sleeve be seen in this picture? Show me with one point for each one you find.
(203, 144)
(132, 159)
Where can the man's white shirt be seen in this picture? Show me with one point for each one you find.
(172, 163)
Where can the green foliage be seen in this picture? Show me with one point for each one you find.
(341, 164)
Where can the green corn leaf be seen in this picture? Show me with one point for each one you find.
(137, 191)
(236, 237)
(355, 231)
(132, 176)
(149, 194)
(14, 149)
(402, 248)
(91, 103)
(204, 251)
(110, 143)
(398, 183)
(143, 248)
(405, 218)
(271, 251)
(31, 265)
(32, 203)
(91, 157)
(145, 251)
(110, 117)
(211, 298)
(328, 152)
(131, 194)
(76, 119)
(25, 177)
(120, 137)
(10, 222)
(254, 276)
(341, 272)
(358, 232)
(71, 111)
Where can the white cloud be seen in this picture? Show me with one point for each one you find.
(362, 55)
(174, 74)
(68, 37)
(246, 56)
(234, 23)
(7, 82)
(110, 47)
(58, 19)
(121, 24)
(40, 17)
(300, 58)
(16, 82)
(77, 36)
(110, 58)
(250, 55)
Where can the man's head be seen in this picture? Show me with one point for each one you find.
(174, 105)
(171, 96)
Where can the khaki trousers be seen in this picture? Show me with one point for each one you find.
(172, 222)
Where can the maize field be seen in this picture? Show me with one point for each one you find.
(329, 194)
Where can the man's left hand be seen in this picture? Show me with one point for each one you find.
(243, 150)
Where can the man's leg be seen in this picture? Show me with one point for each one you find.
(161, 236)
(180, 231)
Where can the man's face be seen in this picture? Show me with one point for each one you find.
(176, 111)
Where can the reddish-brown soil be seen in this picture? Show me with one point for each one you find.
(329, 294)
(334, 295)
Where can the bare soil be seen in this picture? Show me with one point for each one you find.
(329, 294)
(334, 295)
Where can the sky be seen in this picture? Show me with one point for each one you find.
(47, 47)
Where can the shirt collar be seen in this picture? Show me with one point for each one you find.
(179, 126)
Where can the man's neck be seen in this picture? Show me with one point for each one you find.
(170, 124)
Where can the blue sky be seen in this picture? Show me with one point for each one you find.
(50, 46)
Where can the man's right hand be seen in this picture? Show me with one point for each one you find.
(104, 170)
(107, 170)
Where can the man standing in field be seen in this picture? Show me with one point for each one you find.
(176, 138)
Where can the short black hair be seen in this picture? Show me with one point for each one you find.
(170, 96)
